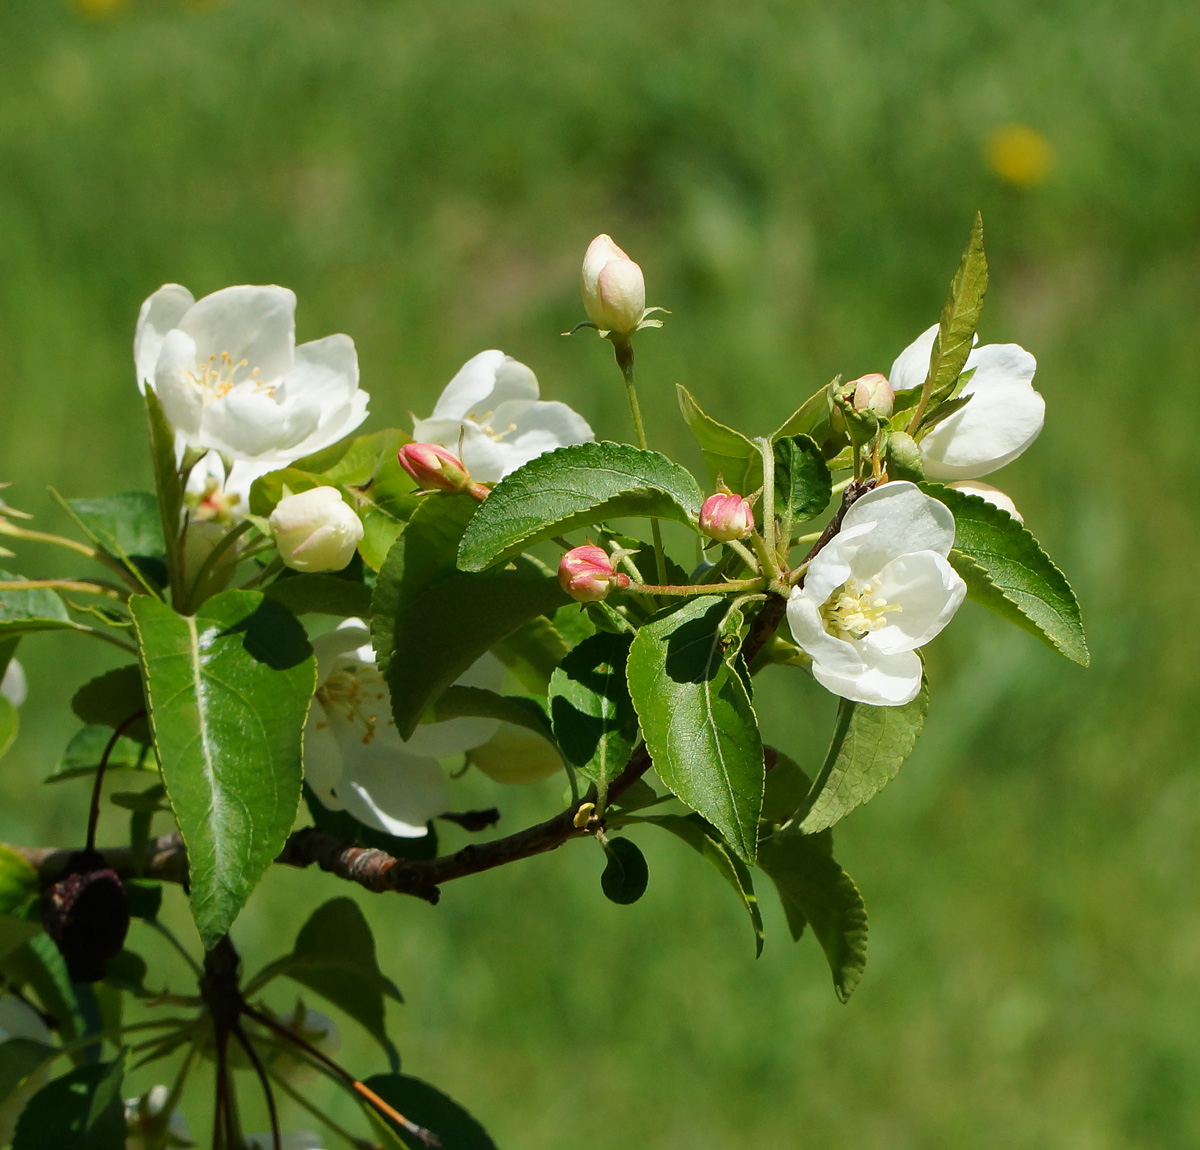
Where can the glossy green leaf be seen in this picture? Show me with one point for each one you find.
(126, 524)
(82, 1110)
(816, 891)
(112, 699)
(83, 753)
(24, 612)
(703, 838)
(729, 455)
(10, 723)
(593, 716)
(697, 718)
(625, 872)
(334, 956)
(1007, 571)
(385, 505)
(321, 595)
(477, 702)
(803, 484)
(576, 487)
(428, 1107)
(229, 690)
(874, 742)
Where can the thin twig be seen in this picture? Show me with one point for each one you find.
(263, 1080)
(98, 786)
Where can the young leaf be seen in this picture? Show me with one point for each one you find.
(126, 525)
(729, 454)
(1007, 571)
(82, 1110)
(874, 742)
(229, 690)
(428, 1107)
(704, 839)
(815, 890)
(593, 716)
(625, 873)
(697, 719)
(111, 699)
(334, 956)
(478, 702)
(575, 487)
(321, 595)
(810, 416)
(802, 481)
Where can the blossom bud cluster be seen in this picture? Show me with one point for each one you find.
(587, 574)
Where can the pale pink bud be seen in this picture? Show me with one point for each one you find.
(726, 517)
(314, 530)
(587, 574)
(873, 393)
(614, 290)
(433, 466)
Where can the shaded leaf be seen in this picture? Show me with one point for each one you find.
(802, 481)
(575, 487)
(24, 612)
(126, 525)
(457, 702)
(39, 965)
(321, 595)
(111, 699)
(81, 1110)
(229, 690)
(625, 873)
(428, 1107)
(83, 753)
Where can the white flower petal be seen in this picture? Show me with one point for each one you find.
(837, 656)
(483, 383)
(538, 427)
(333, 645)
(322, 757)
(927, 590)
(989, 494)
(14, 686)
(182, 398)
(906, 520)
(453, 736)
(884, 681)
(393, 793)
(160, 313)
(911, 366)
(255, 324)
(831, 567)
(250, 423)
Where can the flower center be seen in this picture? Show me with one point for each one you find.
(220, 374)
(343, 694)
(854, 610)
(488, 429)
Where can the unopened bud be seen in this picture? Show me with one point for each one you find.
(614, 290)
(437, 469)
(993, 495)
(315, 531)
(873, 393)
(587, 574)
(726, 517)
(904, 457)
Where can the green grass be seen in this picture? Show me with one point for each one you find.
(797, 181)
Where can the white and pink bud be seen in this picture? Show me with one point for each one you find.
(726, 517)
(315, 531)
(437, 469)
(614, 290)
(873, 393)
(587, 574)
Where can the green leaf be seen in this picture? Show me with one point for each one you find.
(707, 842)
(811, 417)
(111, 699)
(1007, 571)
(10, 722)
(428, 1107)
(145, 898)
(874, 742)
(593, 716)
(321, 595)
(39, 965)
(125, 525)
(786, 790)
(19, 882)
(82, 756)
(127, 972)
(385, 505)
(802, 481)
(477, 702)
(575, 487)
(816, 891)
(229, 690)
(697, 718)
(625, 873)
(729, 454)
(19, 1057)
(534, 649)
(15, 932)
(81, 1110)
(960, 317)
(334, 956)
(38, 609)
(355, 462)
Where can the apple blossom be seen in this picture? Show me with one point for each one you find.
(1004, 416)
(587, 574)
(614, 290)
(726, 517)
(879, 590)
(314, 530)
(13, 686)
(144, 1123)
(986, 491)
(354, 758)
(230, 377)
(490, 415)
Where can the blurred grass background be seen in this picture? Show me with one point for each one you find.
(797, 180)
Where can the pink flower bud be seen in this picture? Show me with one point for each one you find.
(614, 291)
(873, 393)
(726, 517)
(587, 574)
(433, 466)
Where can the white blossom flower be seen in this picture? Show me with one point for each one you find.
(1005, 414)
(13, 686)
(142, 1118)
(879, 590)
(492, 406)
(230, 377)
(19, 1020)
(354, 758)
(992, 495)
